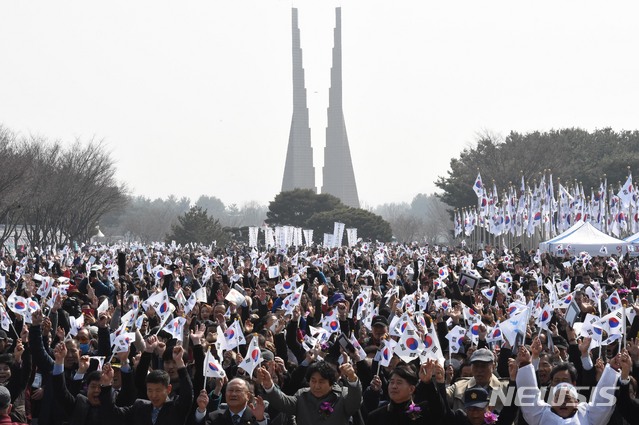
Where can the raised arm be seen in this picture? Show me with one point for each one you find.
(280, 401)
(528, 394)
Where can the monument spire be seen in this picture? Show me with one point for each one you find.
(338, 175)
(299, 172)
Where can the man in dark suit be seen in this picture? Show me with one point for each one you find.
(158, 409)
(238, 412)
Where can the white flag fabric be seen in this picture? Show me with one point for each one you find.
(123, 341)
(212, 368)
(613, 301)
(234, 296)
(233, 336)
(494, 334)
(392, 272)
(17, 304)
(293, 300)
(489, 293)
(190, 304)
(515, 325)
(160, 304)
(442, 303)
(612, 323)
(200, 295)
(545, 317)
(103, 307)
(478, 186)
(409, 346)
(626, 192)
(75, 324)
(253, 357)
(432, 347)
(45, 287)
(385, 353)
(273, 272)
(285, 287)
(455, 338)
(5, 320)
(176, 328)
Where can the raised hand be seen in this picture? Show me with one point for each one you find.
(599, 368)
(202, 401)
(376, 384)
(60, 333)
(512, 369)
(426, 371)
(24, 334)
(265, 378)
(106, 380)
(348, 371)
(18, 351)
(198, 334)
(219, 384)
(60, 352)
(151, 344)
(178, 356)
(536, 347)
(523, 356)
(36, 318)
(123, 356)
(258, 408)
(83, 366)
(584, 346)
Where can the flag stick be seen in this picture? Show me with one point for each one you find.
(622, 343)
(378, 367)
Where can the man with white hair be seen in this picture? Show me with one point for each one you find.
(564, 407)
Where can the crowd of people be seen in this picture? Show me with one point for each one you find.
(369, 334)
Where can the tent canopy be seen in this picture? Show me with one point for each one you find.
(634, 239)
(583, 236)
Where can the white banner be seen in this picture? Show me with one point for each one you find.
(351, 235)
(269, 241)
(328, 240)
(338, 234)
(308, 236)
(253, 236)
(297, 239)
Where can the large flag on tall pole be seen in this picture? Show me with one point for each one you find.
(626, 191)
(478, 187)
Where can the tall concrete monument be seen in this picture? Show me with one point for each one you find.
(299, 172)
(338, 175)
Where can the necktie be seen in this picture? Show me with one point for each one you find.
(154, 414)
(236, 419)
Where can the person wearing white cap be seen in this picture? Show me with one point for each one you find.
(565, 407)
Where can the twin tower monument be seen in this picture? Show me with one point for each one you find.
(337, 173)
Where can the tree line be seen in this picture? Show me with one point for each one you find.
(51, 194)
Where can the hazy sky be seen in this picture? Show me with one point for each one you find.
(195, 97)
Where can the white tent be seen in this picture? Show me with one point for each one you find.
(584, 237)
(634, 239)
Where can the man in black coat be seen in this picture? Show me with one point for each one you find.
(158, 409)
(238, 411)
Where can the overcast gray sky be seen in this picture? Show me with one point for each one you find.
(195, 97)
